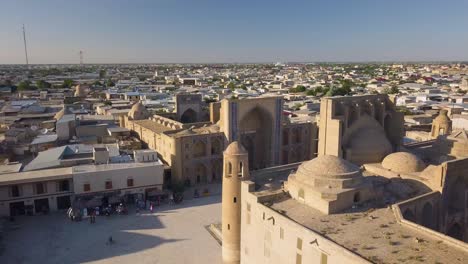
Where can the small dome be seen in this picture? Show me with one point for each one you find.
(328, 166)
(235, 148)
(80, 91)
(403, 162)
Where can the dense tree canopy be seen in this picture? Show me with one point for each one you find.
(110, 83)
(25, 85)
(102, 74)
(67, 83)
(231, 85)
(391, 90)
(298, 89)
(41, 84)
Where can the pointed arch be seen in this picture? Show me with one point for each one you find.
(200, 173)
(189, 116)
(199, 149)
(216, 146)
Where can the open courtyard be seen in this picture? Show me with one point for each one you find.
(172, 234)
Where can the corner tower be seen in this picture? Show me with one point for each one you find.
(441, 125)
(236, 169)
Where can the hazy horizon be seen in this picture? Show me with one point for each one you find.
(209, 31)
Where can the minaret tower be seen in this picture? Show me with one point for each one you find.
(236, 169)
(441, 125)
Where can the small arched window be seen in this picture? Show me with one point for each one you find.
(357, 197)
(240, 173)
(229, 168)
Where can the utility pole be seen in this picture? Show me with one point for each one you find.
(25, 46)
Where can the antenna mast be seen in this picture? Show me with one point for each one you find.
(25, 46)
(81, 58)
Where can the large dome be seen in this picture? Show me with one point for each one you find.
(329, 167)
(403, 162)
(366, 141)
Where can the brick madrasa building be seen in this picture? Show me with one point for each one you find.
(365, 199)
(191, 140)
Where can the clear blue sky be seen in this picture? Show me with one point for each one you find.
(133, 31)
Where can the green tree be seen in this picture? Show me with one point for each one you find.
(67, 83)
(231, 85)
(404, 110)
(97, 83)
(298, 89)
(102, 74)
(297, 106)
(311, 92)
(335, 91)
(110, 83)
(25, 85)
(391, 90)
(319, 90)
(41, 84)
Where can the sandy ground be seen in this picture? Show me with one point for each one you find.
(172, 234)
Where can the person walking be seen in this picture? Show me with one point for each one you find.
(171, 198)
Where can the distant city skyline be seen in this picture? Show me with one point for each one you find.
(209, 31)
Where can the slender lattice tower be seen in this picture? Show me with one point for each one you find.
(25, 46)
(81, 58)
(236, 169)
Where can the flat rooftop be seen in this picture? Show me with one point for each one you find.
(37, 175)
(152, 125)
(370, 230)
(113, 166)
(373, 233)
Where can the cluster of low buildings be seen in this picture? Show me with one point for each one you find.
(306, 176)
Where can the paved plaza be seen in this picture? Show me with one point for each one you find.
(172, 234)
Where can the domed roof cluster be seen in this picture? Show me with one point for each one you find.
(327, 166)
(403, 162)
(138, 112)
(235, 148)
(81, 90)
